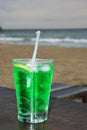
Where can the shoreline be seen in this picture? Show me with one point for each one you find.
(70, 62)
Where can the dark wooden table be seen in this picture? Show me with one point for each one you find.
(63, 114)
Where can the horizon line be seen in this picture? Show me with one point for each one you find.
(43, 28)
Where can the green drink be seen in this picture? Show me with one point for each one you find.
(33, 83)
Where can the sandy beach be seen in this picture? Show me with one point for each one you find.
(70, 63)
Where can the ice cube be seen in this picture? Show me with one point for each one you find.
(45, 68)
(32, 67)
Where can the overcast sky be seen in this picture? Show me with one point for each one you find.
(43, 13)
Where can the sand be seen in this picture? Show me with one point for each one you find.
(70, 63)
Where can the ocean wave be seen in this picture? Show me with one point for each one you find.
(66, 42)
(54, 40)
(46, 40)
(10, 39)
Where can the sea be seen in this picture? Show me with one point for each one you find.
(49, 37)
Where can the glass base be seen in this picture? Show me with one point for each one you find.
(34, 118)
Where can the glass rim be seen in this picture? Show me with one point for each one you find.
(29, 60)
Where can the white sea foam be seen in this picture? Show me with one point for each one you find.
(3, 39)
(53, 40)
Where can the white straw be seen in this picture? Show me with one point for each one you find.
(36, 46)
